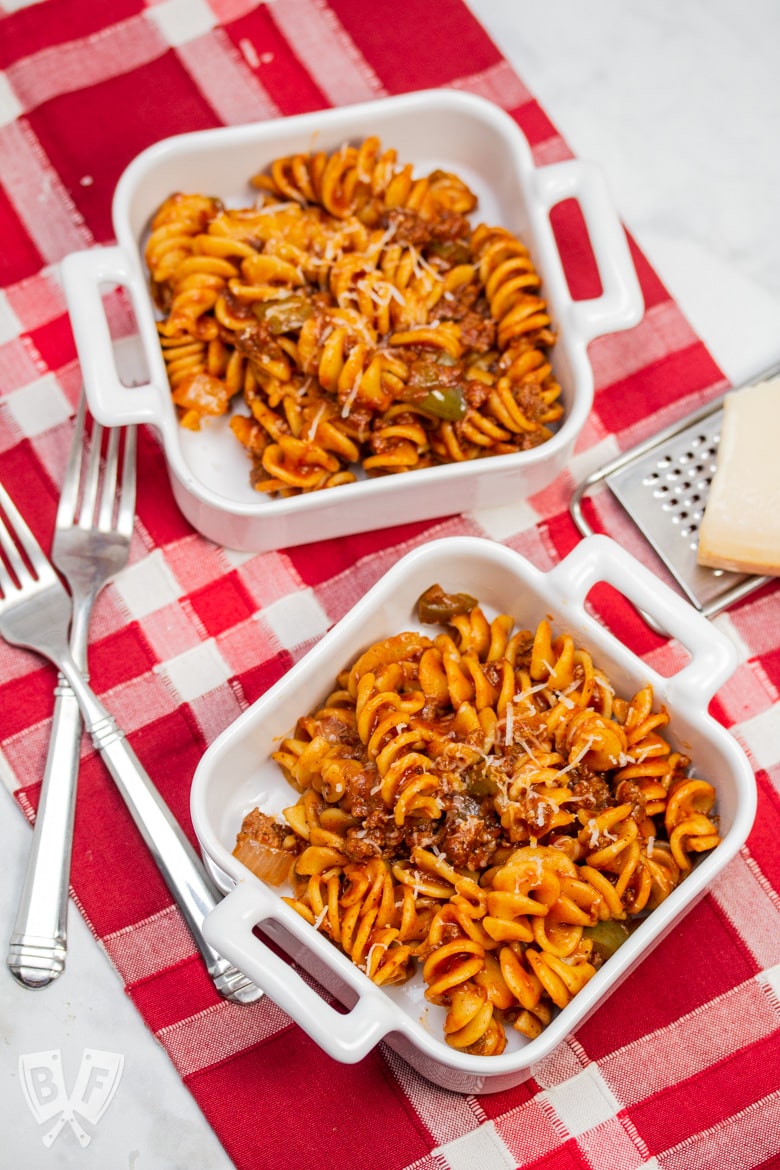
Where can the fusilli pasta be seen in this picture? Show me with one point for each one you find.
(481, 804)
(359, 317)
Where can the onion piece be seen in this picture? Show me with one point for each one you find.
(270, 865)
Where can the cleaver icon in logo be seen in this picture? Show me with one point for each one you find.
(43, 1084)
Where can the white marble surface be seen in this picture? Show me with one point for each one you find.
(679, 104)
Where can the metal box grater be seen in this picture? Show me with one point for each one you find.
(663, 485)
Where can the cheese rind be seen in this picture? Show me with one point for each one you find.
(740, 529)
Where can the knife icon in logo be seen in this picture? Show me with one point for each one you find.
(43, 1084)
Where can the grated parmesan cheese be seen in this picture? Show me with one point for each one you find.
(540, 811)
(350, 399)
(366, 966)
(527, 750)
(509, 724)
(272, 208)
(577, 758)
(526, 694)
(315, 422)
(420, 263)
(376, 249)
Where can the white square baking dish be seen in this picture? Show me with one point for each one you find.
(237, 774)
(209, 471)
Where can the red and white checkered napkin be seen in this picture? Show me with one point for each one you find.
(681, 1069)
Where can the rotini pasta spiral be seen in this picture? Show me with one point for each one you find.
(356, 293)
(481, 805)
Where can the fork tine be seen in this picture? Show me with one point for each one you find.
(7, 583)
(105, 517)
(69, 496)
(126, 507)
(16, 536)
(91, 478)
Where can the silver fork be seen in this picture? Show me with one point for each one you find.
(92, 534)
(35, 612)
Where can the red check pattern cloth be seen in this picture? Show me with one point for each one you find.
(681, 1069)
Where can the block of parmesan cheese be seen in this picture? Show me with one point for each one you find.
(740, 529)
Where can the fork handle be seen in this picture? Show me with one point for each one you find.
(179, 864)
(37, 950)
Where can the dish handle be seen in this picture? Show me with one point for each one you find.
(621, 303)
(229, 928)
(84, 274)
(600, 559)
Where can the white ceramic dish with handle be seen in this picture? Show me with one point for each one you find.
(209, 471)
(237, 774)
